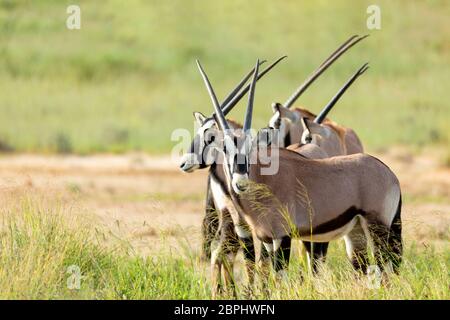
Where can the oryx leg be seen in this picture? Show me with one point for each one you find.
(248, 246)
(356, 246)
(223, 255)
(281, 255)
(210, 224)
(264, 266)
(380, 240)
(317, 252)
(395, 239)
(387, 240)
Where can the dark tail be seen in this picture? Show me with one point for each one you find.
(210, 224)
(395, 238)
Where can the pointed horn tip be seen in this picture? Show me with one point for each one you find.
(199, 66)
(364, 68)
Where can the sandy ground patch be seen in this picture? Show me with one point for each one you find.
(145, 199)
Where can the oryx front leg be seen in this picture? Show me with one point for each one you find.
(281, 255)
(279, 251)
(223, 256)
(248, 246)
(316, 254)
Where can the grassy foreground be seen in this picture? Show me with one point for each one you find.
(39, 247)
(128, 77)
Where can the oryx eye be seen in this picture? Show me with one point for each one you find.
(209, 136)
(211, 139)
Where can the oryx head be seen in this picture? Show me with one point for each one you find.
(300, 126)
(286, 120)
(236, 144)
(200, 154)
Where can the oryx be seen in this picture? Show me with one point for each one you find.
(332, 138)
(354, 196)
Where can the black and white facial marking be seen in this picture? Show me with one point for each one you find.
(282, 120)
(315, 133)
(237, 150)
(199, 156)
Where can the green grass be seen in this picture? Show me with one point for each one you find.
(128, 78)
(39, 244)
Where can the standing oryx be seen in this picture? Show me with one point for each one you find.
(332, 138)
(314, 200)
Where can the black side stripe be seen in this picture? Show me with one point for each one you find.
(335, 223)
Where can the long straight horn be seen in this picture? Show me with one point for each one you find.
(239, 86)
(222, 122)
(322, 115)
(226, 109)
(324, 66)
(251, 99)
(339, 49)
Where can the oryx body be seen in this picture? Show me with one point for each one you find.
(356, 197)
(334, 139)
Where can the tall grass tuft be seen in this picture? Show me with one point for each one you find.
(38, 246)
(40, 243)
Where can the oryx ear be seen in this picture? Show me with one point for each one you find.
(200, 117)
(306, 135)
(276, 106)
(316, 129)
(284, 112)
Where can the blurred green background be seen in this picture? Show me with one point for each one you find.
(128, 77)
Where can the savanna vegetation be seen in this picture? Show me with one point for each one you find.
(40, 246)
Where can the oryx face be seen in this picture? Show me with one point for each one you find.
(286, 122)
(236, 144)
(200, 155)
(237, 148)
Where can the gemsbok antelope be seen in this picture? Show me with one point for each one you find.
(332, 138)
(312, 133)
(316, 200)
